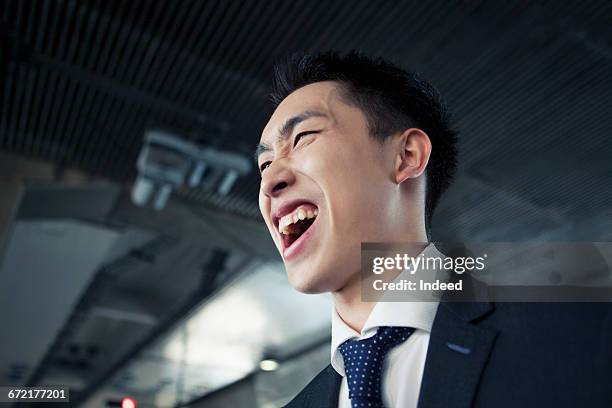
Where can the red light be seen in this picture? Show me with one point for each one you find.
(128, 402)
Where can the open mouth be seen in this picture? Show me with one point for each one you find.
(293, 225)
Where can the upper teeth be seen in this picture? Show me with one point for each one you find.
(297, 215)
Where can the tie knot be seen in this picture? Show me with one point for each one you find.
(363, 362)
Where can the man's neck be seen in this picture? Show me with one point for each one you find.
(349, 304)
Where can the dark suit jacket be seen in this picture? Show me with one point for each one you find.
(484, 354)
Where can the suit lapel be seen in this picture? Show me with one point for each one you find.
(324, 390)
(457, 354)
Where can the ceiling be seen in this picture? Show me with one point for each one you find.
(529, 85)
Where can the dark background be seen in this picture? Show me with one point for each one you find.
(528, 84)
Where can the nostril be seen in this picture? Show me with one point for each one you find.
(279, 186)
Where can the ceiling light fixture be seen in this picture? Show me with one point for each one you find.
(167, 162)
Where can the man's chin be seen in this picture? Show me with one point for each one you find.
(308, 283)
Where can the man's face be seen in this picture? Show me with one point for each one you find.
(325, 168)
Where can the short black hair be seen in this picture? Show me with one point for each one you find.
(391, 98)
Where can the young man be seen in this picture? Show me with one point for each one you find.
(359, 150)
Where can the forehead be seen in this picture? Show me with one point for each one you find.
(322, 97)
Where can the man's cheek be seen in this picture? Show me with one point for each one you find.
(261, 202)
(264, 209)
(328, 162)
(315, 163)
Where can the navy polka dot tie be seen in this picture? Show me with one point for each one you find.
(363, 364)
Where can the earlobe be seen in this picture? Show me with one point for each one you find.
(403, 175)
(403, 169)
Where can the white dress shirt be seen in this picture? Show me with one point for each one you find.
(404, 364)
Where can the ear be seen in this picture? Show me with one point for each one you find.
(414, 150)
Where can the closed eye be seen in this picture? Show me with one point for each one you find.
(301, 134)
(264, 165)
(296, 140)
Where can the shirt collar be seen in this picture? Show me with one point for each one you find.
(419, 315)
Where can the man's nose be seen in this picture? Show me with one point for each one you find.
(276, 178)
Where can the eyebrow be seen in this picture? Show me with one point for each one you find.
(286, 129)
